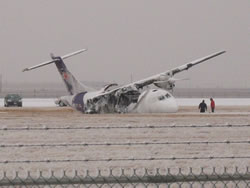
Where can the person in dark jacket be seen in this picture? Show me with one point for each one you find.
(203, 107)
(212, 105)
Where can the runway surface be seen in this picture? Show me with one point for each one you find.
(60, 138)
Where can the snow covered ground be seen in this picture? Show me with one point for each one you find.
(66, 123)
(50, 102)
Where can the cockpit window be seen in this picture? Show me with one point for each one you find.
(161, 98)
(168, 96)
(154, 90)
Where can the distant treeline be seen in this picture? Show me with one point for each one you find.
(53, 90)
(178, 92)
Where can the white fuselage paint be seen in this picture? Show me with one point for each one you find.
(154, 101)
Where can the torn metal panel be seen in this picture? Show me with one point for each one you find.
(116, 102)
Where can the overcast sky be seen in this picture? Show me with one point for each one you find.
(127, 37)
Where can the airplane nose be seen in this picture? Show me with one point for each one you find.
(172, 105)
(158, 103)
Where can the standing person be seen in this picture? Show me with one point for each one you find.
(203, 107)
(212, 105)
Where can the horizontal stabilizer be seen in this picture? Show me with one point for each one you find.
(54, 60)
(73, 53)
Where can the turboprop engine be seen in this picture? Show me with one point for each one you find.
(168, 84)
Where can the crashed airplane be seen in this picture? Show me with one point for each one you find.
(133, 97)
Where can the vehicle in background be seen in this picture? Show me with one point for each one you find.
(13, 100)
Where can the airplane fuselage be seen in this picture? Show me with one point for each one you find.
(149, 101)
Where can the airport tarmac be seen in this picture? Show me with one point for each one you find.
(108, 140)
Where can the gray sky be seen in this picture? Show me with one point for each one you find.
(124, 37)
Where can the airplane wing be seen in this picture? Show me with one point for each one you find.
(161, 77)
(164, 76)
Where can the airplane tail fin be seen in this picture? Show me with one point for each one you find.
(72, 84)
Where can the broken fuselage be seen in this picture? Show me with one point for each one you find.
(132, 101)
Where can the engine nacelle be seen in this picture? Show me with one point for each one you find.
(167, 85)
